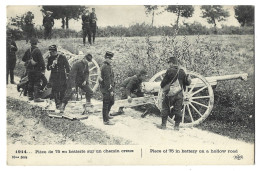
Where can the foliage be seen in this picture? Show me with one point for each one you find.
(65, 12)
(245, 14)
(214, 13)
(150, 9)
(181, 11)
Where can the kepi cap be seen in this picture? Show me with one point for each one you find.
(53, 48)
(34, 40)
(109, 55)
(173, 59)
(89, 57)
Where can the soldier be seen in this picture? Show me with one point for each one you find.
(48, 23)
(11, 48)
(35, 67)
(78, 77)
(175, 75)
(59, 66)
(29, 27)
(93, 23)
(86, 27)
(131, 87)
(107, 85)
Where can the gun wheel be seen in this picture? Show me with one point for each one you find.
(197, 102)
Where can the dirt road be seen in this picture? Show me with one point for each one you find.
(142, 131)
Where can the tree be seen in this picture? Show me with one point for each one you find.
(214, 13)
(150, 9)
(65, 13)
(181, 11)
(245, 15)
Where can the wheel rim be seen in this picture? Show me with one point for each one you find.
(198, 100)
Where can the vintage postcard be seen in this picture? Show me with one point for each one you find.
(130, 85)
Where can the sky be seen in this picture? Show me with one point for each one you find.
(125, 15)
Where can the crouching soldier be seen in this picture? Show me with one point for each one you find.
(78, 77)
(107, 86)
(59, 66)
(172, 95)
(35, 68)
(131, 87)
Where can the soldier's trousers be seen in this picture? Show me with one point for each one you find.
(176, 102)
(47, 32)
(108, 102)
(58, 93)
(86, 32)
(30, 32)
(86, 88)
(93, 27)
(10, 69)
(34, 84)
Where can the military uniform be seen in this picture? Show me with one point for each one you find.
(93, 25)
(35, 71)
(131, 85)
(11, 48)
(29, 27)
(86, 28)
(48, 23)
(107, 87)
(58, 77)
(78, 75)
(176, 100)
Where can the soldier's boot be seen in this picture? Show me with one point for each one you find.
(145, 113)
(37, 94)
(120, 112)
(12, 77)
(163, 125)
(177, 126)
(62, 107)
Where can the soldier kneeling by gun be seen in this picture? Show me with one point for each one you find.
(78, 77)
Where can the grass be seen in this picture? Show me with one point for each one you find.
(233, 114)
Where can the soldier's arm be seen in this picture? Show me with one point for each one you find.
(87, 74)
(66, 65)
(129, 86)
(40, 60)
(49, 63)
(25, 56)
(14, 47)
(187, 79)
(106, 77)
(165, 80)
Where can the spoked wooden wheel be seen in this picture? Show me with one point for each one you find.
(197, 102)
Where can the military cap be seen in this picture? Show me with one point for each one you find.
(53, 48)
(109, 54)
(34, 40)
(89, 57)
(173, 59)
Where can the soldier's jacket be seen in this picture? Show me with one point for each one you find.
(85, 21)
(48, 21)
(171, 73)
(78, 74)
(107, 74)
(93, 18)
(11, 48)
(58, 73)
(34, 53)
(132, 84)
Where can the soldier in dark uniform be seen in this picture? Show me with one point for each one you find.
(29, 27)
(86, 27)
(35, 67)
(59, 66)
(107, 86)
(172, 74)
(131, 87)
(11, 48)
(48, 23)
(93, 24)
(78, 77)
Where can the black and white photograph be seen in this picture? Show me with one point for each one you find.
(130, 84)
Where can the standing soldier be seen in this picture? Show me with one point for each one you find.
(93, 24)
(48, 23)
(86, 27)
(59, 66)
(78, 77)
(35, 67)
(174, 75)
(11, 48)
(107, 87)
(131, 87)
(29, 27)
